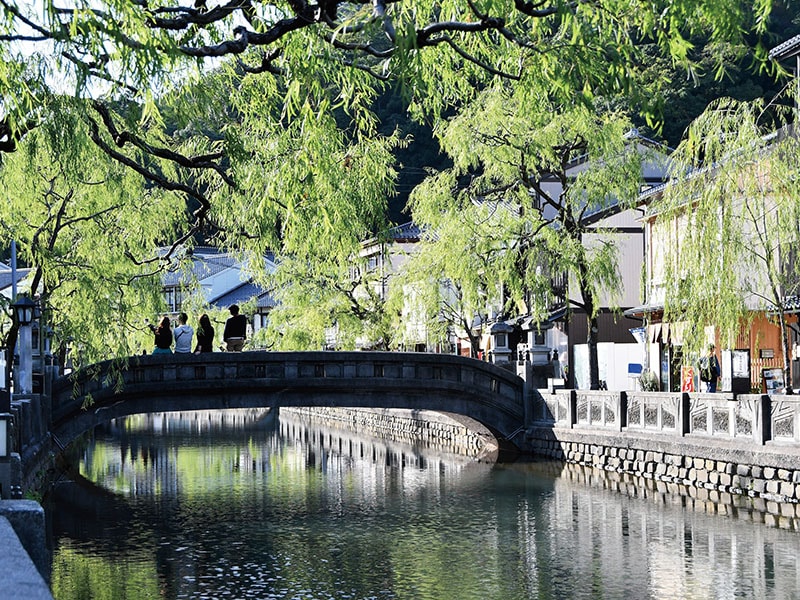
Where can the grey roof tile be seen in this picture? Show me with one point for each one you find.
(787, 49)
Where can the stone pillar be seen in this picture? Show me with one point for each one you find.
(23, 383)
(762, 423)
(684, 414)
(573, 408)
(26, 519)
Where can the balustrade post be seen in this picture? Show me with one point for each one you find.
(684, 414)
(572, 410)
(762, 420)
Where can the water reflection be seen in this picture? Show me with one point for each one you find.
(244, 505)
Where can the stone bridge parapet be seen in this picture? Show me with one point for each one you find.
(489, 394)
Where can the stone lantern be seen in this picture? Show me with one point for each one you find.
(501, 351)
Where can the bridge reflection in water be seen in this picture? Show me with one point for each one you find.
(253, 508)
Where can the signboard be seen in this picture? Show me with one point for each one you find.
(735, 371)
(740, 363)
(687, 379)
(772, 381)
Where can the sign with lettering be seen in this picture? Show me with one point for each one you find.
(687, 379)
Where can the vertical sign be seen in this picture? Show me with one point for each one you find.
(687, 379)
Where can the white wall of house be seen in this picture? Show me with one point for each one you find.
(218, 284)
(629, 240)
(613, 360)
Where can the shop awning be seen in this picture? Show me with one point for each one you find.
(645, 310)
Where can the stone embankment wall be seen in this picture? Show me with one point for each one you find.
(441, 431)
(740, 452)
(697, 499)
(684, 464)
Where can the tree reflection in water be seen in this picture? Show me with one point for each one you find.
(246, 505)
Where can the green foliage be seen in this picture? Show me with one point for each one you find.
(322, 301)
(249, 127)
(78, 219)
(520, 209)
(648, 381)
(494, 217)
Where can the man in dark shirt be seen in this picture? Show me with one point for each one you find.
(235, 331)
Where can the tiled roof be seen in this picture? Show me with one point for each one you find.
(244, 293)
(206, 262)
(407, 231)
(787, 49)
(791, 304)
(6, 279)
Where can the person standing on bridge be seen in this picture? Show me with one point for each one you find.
(235, 332)
(205, 335)
(183, 335)
(163, 336)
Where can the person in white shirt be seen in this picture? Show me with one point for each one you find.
(183, 335)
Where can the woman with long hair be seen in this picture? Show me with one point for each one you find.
(205, 335)
(163, 336)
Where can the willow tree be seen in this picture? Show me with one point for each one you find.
(736, 196)
(450, 283)
(324, 302)
(136, 50)
(540, 173)
(256, 113)
(78, 217)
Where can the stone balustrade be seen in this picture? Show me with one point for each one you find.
(745, 445)
(755, 417)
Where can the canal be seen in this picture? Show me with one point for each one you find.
(245, 504)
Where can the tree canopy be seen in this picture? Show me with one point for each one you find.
(250, 122)
(534, 176)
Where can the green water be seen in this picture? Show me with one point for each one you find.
(202, 506)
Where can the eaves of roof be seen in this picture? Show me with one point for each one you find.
(646, 195)
(787, 49)
(6, 279)
(644, 310)
(243, 293)
(406, 232)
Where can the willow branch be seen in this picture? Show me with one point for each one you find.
(122, 137)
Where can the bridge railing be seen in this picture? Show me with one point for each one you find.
(760, 418)
(308, 370)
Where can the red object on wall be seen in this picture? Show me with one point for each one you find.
(687, 379)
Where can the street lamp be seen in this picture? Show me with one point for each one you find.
(24, 312)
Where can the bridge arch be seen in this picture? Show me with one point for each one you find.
(157, 383)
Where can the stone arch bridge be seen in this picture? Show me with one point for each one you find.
(493, 396)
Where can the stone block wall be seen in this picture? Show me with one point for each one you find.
(700, 499)
(446, 432)
(763, 475)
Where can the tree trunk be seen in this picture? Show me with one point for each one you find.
(591, 321)
(475, 342)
